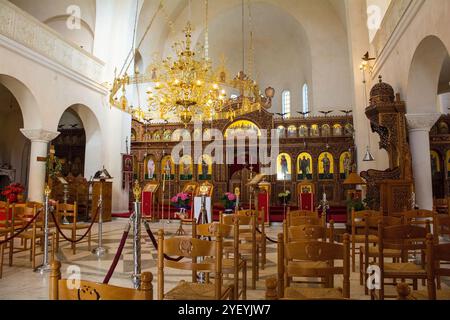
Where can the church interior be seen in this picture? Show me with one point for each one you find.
(224, 150)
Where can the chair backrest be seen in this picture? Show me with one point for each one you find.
(67, 210)
(435, 255)
(301, 221)
(419, 217)
(291, 216)
(405, 237)
(63, 289)
(190, 248)
(212, 229)
(310, 232)
(317, 251)
(358, 218)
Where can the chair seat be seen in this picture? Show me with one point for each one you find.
(78, 226)
(227, 264)
(29, 234)
(248, 237)
(308, 264)
(361, 238)
(388, 253)
(403, 268)
(194, 291)
(423, 295)
(296, 293)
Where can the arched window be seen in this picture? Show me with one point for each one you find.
(305, 98)
(286, 104)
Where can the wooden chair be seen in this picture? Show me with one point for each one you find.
(71, 211)
(293, 217)
(309, 233)
(59, 289)
(405, 238)
(261, 238)
(369, 251)
(35, 233)
(248, 246)
(316, 252)
(357, 237)
(193, 249)
(234, 265)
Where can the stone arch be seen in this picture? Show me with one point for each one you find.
(424, 74)
(94, 142)
(32, 118)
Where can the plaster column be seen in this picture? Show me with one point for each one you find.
(419, 126)
(39, 148)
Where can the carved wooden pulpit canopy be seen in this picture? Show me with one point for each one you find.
(389, 190)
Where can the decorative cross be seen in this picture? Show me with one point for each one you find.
(52, 161)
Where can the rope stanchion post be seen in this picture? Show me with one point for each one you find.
(137, 217)
(45, 267)
(100, 251)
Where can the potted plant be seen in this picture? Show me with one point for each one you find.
(229, 202)
(284, 197)
(14, 192)
(181, 200)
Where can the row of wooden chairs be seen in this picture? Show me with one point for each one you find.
(18, 216)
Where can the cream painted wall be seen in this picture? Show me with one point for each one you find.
(56, 14)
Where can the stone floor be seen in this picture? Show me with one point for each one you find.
(21, 283)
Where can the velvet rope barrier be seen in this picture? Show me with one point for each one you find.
(23, 229)
(268, 239)
(118, 254)
(155, 243)
(84, 236)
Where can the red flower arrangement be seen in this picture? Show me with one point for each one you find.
(12, 191)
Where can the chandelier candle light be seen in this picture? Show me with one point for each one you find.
(185, 86)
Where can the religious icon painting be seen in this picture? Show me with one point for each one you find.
(186, 168)
(284, 167)
(127, 163)
(337, 130)
(150, 168)
(168, 168)
(205, 168)
(435, 160)
(304, 166)
(345, 165)
(326, 166)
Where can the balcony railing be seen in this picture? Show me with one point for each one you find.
(19, 26)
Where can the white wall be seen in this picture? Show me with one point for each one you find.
(56, 14)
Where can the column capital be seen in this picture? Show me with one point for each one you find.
(422, 121)
(39, 135)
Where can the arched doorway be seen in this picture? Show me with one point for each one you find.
(70, 146)
(14, 146)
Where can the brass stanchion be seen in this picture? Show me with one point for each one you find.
(137, 216)
(45, 267)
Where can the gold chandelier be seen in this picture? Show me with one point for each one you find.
(185, 87)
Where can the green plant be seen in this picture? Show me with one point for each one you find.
(285, 197)
(357, 204)
(54, 168)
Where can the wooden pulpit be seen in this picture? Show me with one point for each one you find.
(107, 199)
